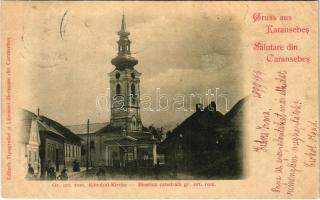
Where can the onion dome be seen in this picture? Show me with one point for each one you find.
(124, 59)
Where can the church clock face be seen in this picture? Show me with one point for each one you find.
(117, 75)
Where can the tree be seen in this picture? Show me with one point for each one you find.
(158, 133)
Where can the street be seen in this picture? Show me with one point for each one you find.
(127, 174)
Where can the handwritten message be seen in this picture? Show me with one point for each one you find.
(281, 130)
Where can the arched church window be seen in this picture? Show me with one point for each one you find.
(117, 75)
(133, 100)
(133, 90)
(134, 123)
(118, 89)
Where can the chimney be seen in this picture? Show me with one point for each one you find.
(199, 107)
(213, 106)
(38, 112)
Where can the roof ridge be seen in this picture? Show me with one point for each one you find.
(86, 124)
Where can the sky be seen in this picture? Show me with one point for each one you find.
(181, 50)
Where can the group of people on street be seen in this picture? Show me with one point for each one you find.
(50, 173)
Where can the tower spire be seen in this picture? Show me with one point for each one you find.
(124, 58)
(123, 33)
(123, 23)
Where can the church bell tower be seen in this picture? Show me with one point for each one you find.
(125, 86)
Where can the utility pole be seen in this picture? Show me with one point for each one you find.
(87, 164)
(90, 160)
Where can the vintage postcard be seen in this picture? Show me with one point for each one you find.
(160, 99)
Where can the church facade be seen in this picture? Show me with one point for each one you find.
(124, 141)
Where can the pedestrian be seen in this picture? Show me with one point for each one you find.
(47, 168)
(63, 176)
(101, 174)
(30, 170)
(156, 170)
(76, 166)
(30, 174)
(175, 170)
(52, 174)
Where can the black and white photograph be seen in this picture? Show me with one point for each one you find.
(132, 94)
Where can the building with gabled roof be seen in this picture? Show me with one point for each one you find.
(48, 143)
(207, 144)
(29, 137)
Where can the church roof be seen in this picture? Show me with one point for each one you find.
(114, 134)
(109, 129)
(123, 140)
(141, 135)
(82, 128)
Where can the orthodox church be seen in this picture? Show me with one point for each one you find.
(124, 141)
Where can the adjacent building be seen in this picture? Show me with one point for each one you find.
(30, 139)
(64, 153)
(47, 143)
(207, 143)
